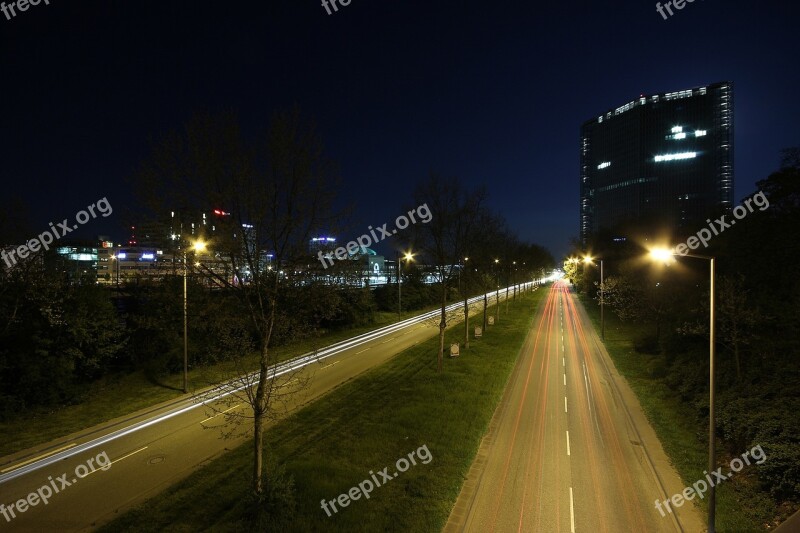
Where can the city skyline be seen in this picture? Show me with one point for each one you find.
(105, 123)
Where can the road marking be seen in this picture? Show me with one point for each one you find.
(565, 378)
(565, 404)
(37, 458)
(586, 383)
(568, 442)
(222, 412)
(571, 512)
(563, 362)
(118, 460)
(337, 362)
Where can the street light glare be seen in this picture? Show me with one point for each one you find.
(409, 256)
(588, 259)
(199, 246)
(661, 254)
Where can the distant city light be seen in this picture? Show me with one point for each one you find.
(603, 165)
(677, 129)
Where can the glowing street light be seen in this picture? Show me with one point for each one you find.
(589, 260)
(408, 257)
(197, 246)
(661, 254)
(664, 255)
(497, 294)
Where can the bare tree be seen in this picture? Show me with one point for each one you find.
(444, 240)
(270, 198)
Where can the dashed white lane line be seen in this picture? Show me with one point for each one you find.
(571, 512)
(337, 362)
(221, 413)
(118, 460)
(568, 442)
(565, 379)
(563, 362)
(565, 404)
(362, 351)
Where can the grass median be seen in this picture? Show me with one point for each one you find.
(741, 506)
(363, 426)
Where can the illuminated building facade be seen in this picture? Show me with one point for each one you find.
(657, 164)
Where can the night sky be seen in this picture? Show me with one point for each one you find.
(490, 92)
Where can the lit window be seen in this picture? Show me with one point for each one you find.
(675, 157)
(603, 165)
(677, 129)
(676, 136)
(700, 133)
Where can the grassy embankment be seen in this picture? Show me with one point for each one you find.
(120, 395)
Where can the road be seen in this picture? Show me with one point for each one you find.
(563, 452)
(155, 448)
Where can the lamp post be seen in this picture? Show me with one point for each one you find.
(664, 255)
(466, 306)
(497, 293)
(115, 266)
(589, 261)
(197, 247)
(408, 258)
(514, 280)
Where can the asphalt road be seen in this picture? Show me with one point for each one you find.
(562, 453)
(153, 449)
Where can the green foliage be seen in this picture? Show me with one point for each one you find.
(54, 336)
(757, 327)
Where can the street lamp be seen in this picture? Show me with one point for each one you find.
(589, 261)
(497, 293)
(115, 266)
(514, 280)
(663, 255)
(408, 258)
(197, 246)
(466, 304)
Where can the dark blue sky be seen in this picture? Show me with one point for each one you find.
(490, 92)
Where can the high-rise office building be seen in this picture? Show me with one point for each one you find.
(658, 164)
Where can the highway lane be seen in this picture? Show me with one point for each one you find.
(562, 453)
(155, 448)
